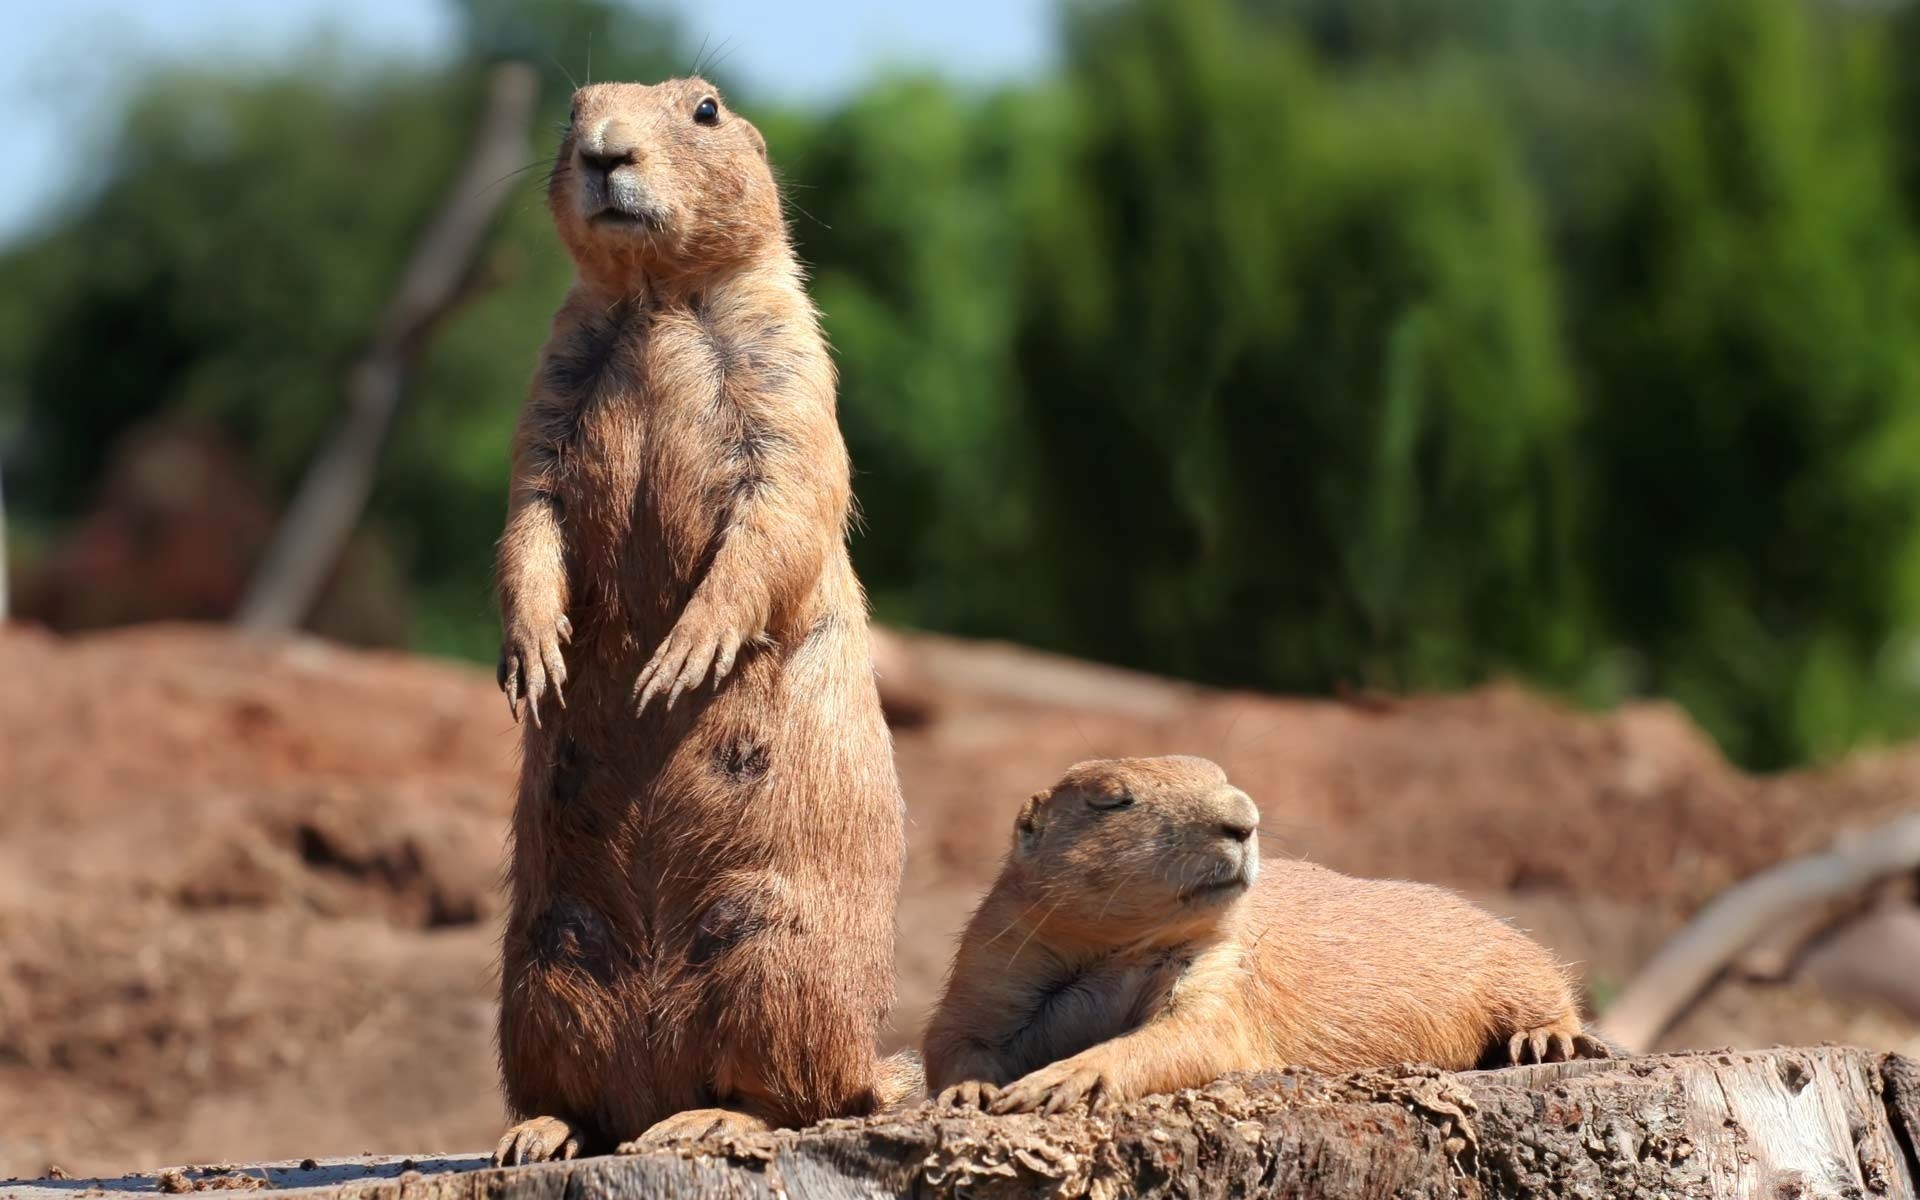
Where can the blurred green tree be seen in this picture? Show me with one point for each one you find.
(233, 265)
(899, 200)
(1292, 370)
(1286, 343)
(1754, 416)
(225, 269)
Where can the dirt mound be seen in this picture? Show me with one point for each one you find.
(1493, 790)
(173, 531)
(248, 888)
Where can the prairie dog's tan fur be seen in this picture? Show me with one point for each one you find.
(707, 841)
(1134, 943)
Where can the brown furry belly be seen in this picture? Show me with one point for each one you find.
(652, 854)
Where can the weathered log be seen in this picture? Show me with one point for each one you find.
(1683, 967)
(1831, 1121)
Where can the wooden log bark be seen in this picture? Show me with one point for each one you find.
(1786, 1123)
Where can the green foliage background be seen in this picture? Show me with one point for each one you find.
(1287, 343)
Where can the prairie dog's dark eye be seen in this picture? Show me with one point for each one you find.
(707, 112)
(1110, 801)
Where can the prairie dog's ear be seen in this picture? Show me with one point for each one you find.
(1032, 821)
(759, 141)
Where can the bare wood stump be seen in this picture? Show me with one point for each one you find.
(1786, 1123)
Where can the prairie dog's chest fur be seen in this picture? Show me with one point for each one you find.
(1074, 1006)
(658, 419)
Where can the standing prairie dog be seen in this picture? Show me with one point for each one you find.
(707, 840)
(1134, 943)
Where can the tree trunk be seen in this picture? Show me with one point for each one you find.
(1831, 1121)
(334, 492)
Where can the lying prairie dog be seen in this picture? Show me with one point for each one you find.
(1135, 943)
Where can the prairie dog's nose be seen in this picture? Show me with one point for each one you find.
(610, 144)
(1238, 816)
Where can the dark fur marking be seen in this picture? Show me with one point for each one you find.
(570, 765)
(571, 811)
(772, 376)
(572, 935)
(730, 358)
(1176, 960)
(742, 761)
(745, 362)
(725, 355)
(726, 923)
(1085, 980)
(589, 358)
(763, 362)
(750, 454)
(1053, 991)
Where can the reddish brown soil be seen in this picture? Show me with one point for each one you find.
(247, 889)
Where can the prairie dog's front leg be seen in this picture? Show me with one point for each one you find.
(1182, 1048)
(967, 1049)
(787, 511)
(531, 570)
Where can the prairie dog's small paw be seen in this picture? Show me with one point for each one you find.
(530, 662)
(1553, 1043)
(703, 641)
(1586, 1045)
(1056, 1088)
(540, 1140)
(695, 1124)
(974, 1093)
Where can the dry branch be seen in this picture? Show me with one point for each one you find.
(1739, 916)
(334, 492)
(3, 553)
(1805, 1122)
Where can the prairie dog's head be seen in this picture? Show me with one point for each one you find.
(1127, 847)
(663, 180)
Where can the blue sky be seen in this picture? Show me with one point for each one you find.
(64, 67)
